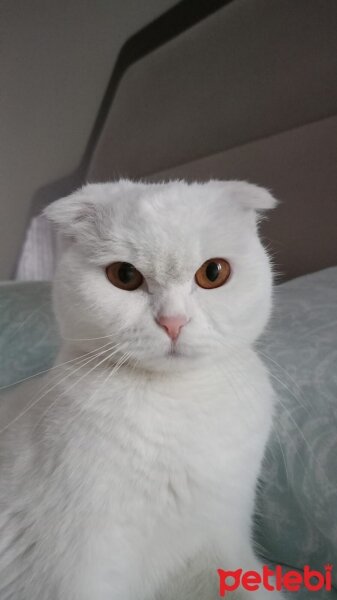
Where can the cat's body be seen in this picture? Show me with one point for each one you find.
(133, 473)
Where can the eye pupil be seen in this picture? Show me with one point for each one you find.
(126, 272)
(212, 271)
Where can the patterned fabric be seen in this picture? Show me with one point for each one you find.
(28, 333)
(296, 516)
(297, 506)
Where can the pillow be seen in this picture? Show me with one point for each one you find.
(40, 251)
(297, 506)
(28, 332)
(296, 512)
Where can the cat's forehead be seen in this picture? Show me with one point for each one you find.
(160, 237)
(169, 214)
(167, 230)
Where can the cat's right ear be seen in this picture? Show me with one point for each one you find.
(73, 214)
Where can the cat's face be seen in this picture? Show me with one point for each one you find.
(135, 269)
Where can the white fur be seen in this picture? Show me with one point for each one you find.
(137, 480)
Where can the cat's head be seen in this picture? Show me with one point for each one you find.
(173, 272)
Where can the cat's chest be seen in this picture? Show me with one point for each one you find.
(169, 440)
(157, 455)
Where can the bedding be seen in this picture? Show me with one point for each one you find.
(296, 513)
(28, 332)
(40, 251)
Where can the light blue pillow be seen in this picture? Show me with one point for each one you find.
(28, 332)
(297, 506)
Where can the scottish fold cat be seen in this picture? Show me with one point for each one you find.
(128, 471)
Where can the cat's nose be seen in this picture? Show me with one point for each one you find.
(172, 325)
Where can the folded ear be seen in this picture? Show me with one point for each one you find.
(71, 213)
(252, 196)
(249, 195)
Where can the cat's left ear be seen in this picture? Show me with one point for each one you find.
(250, 196)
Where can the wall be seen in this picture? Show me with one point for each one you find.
(56, 58)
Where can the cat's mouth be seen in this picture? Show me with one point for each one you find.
(173, 351)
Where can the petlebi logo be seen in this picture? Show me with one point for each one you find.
(275, 579)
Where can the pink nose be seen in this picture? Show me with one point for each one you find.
(172, 325)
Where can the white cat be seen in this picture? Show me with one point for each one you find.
(129, 473)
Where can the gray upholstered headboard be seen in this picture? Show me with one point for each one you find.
(248, 93)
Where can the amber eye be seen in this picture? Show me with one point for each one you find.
(124, 276)
(213, 273)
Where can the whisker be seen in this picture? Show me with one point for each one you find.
(49, 390)
(106, 358)
(301, 404)
(288, 414)
(102, 337)
(283, 455)
(78, 362)
(116, 368)
(77, 358)
(285, 372)
(292, 380)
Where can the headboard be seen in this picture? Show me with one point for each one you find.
(249, 93)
